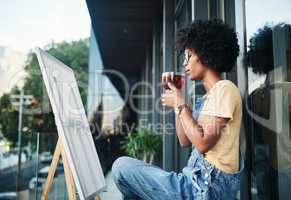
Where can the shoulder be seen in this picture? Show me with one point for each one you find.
(225, 92)
(226, 84)
(226, 87)
(223, 100)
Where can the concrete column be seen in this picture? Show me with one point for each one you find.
(241, 79)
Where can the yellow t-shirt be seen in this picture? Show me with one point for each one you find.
(224, 100)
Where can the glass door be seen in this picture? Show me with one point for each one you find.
(182, 19)
(268, 102)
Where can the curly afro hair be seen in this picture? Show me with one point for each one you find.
(260, 55)
(214, 42)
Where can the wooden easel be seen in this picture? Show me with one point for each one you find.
(59, 151)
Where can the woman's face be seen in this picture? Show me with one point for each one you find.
(193, 67)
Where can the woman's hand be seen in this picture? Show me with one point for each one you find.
(172, 97)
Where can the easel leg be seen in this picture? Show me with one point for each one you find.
(68, 174)
(51, 173)
(68, 177)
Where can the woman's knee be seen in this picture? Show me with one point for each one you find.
(121, 167)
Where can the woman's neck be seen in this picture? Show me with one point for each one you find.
(209, 79)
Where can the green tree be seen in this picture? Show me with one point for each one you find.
(8, 118)
(74, 54)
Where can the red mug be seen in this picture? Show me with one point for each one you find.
(176, 78)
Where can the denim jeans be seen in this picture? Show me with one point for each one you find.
(199, 180)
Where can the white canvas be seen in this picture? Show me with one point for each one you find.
(72, 125)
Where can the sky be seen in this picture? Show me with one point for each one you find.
(258, 13)
(25, 24)
(29, 23)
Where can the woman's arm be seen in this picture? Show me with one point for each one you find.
(204, 137)
(183, 139)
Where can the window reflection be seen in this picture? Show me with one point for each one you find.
(268, 59)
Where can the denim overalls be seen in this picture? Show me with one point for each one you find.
(199, 180)
(210, 182)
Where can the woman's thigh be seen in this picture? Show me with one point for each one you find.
(148, 181)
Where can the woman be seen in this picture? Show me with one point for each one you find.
(212, 128)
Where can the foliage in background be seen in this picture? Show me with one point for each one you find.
(74, 54)
(8, 117)
(142, 144)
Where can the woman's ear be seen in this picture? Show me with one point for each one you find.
(194, 55)
(196, 58)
